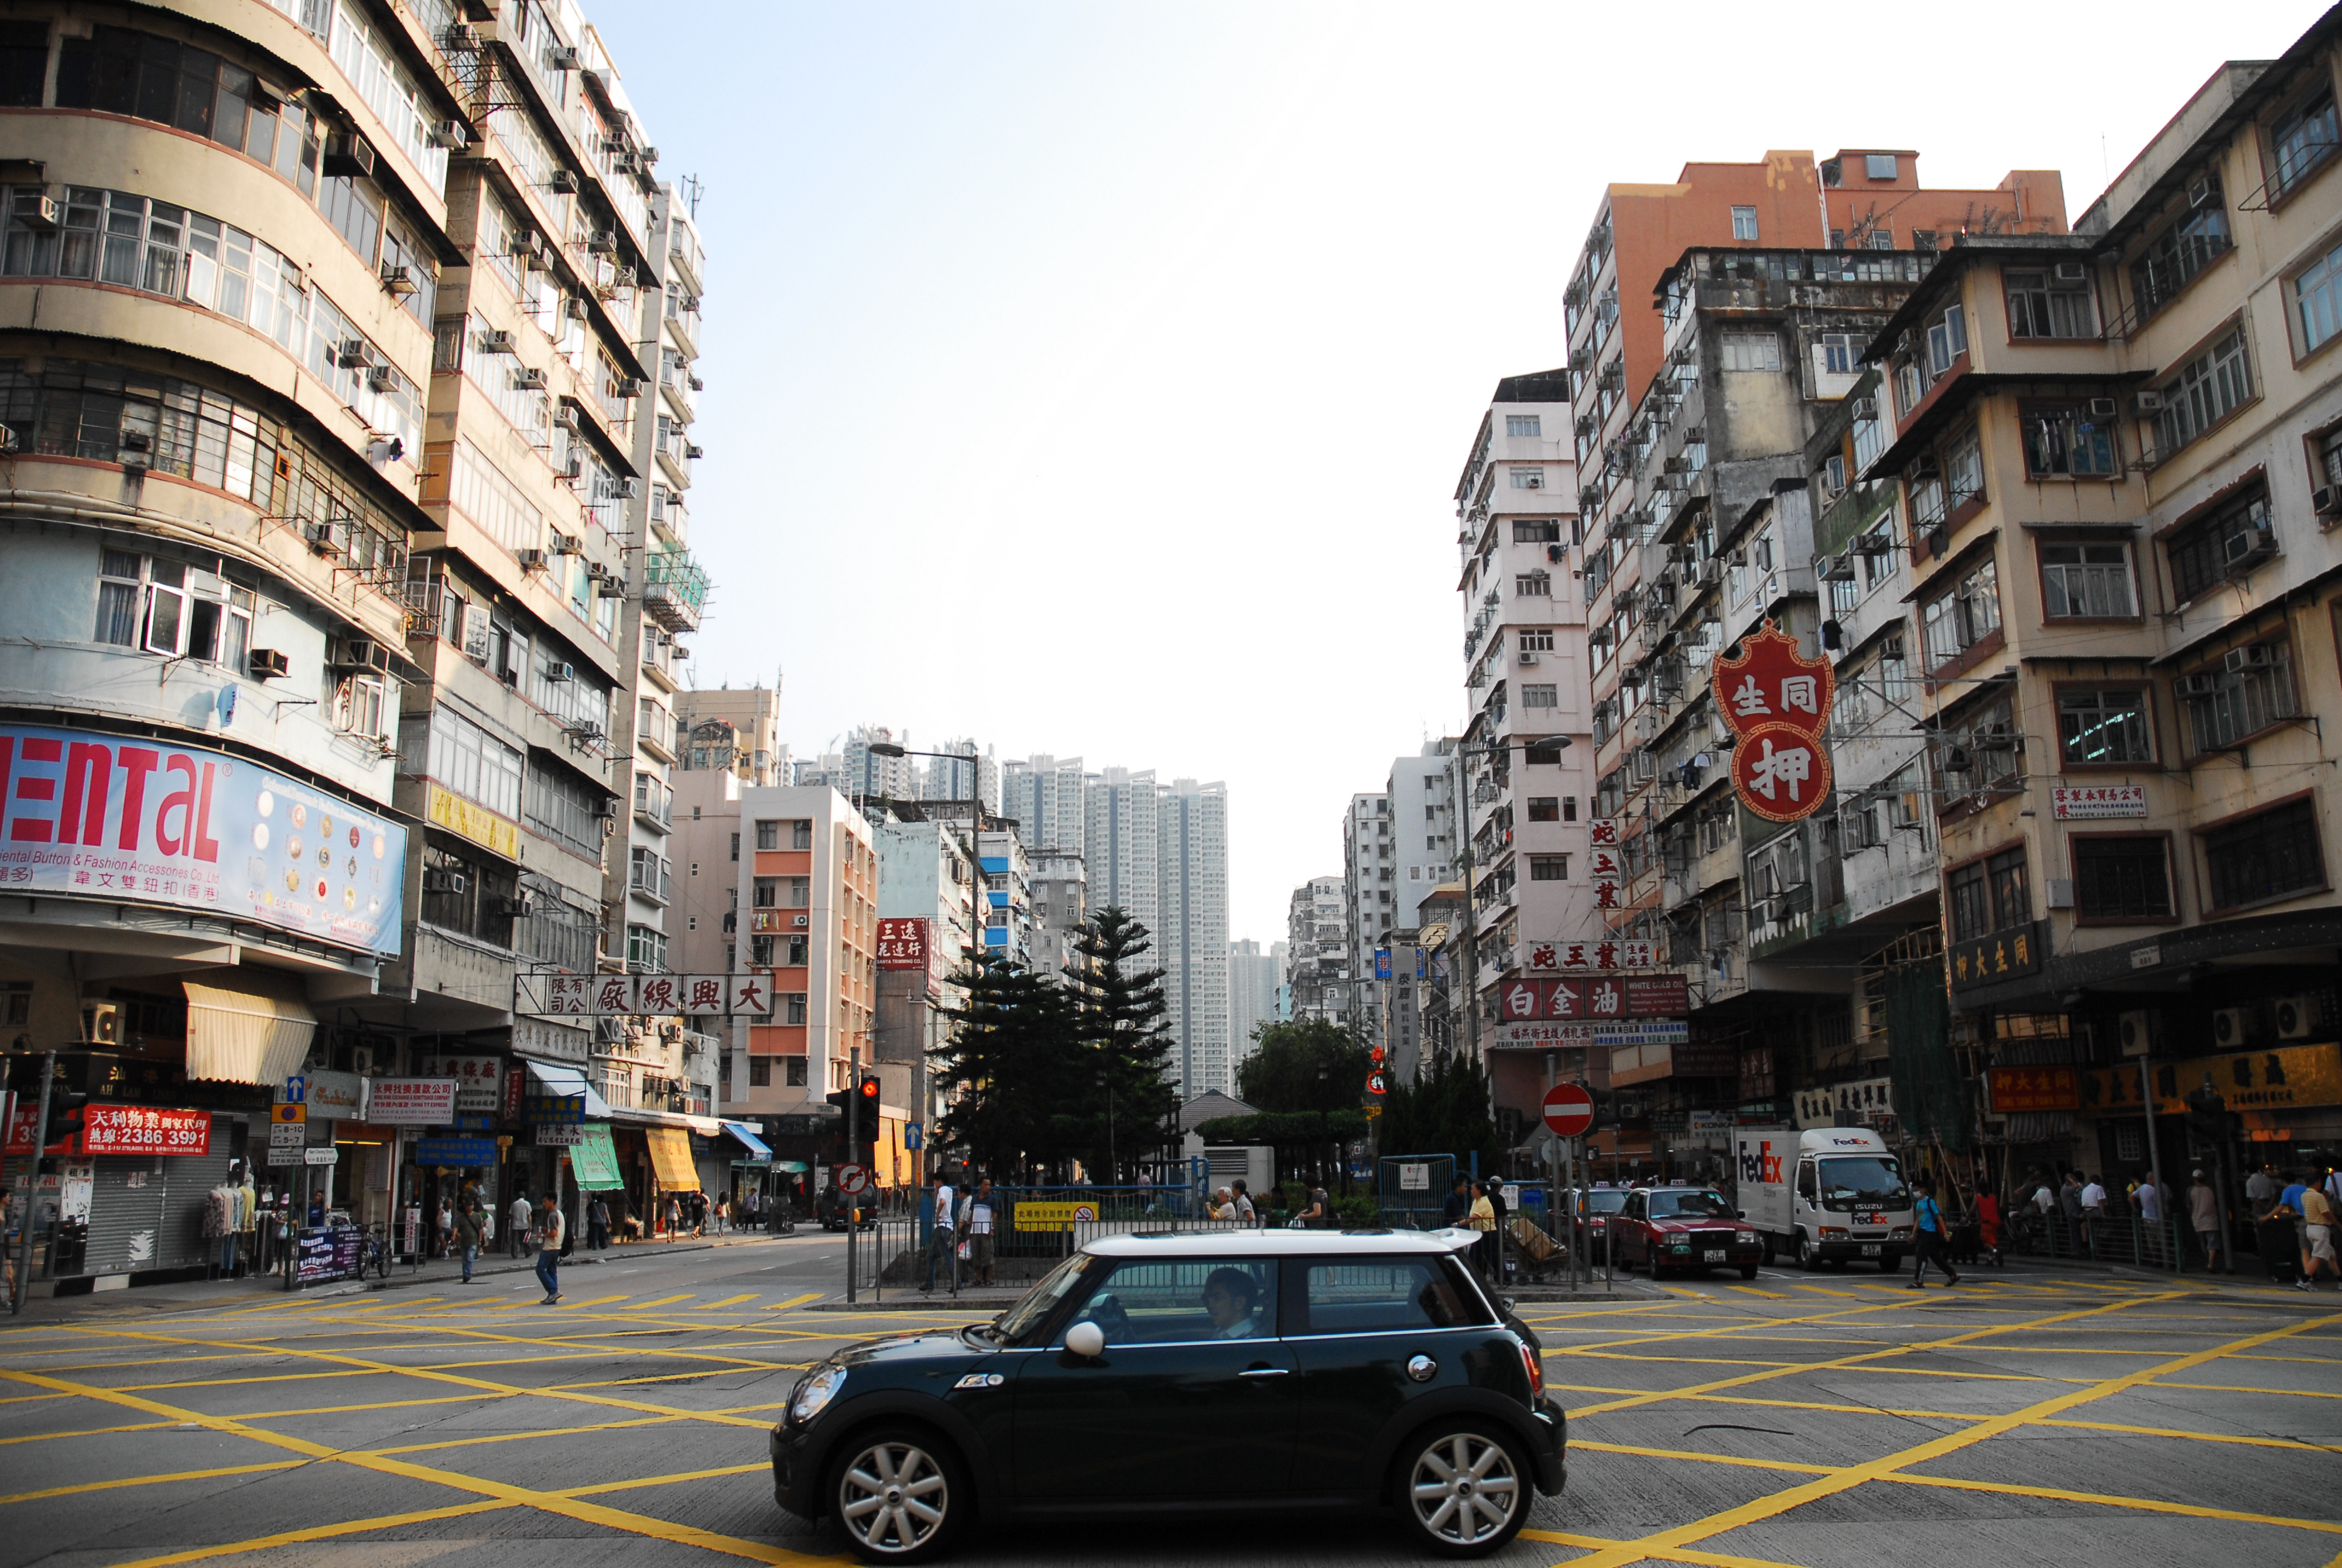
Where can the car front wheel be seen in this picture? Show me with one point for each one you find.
(1809, 1258)
(901, 1495)
(1466, 1488)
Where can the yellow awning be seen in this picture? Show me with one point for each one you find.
(256, 1032)
(671, 1158)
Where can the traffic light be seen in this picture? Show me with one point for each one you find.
(869, 1090)
(865, 1091)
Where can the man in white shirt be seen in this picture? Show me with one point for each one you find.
(2094, 1211)
(976, 1220)
(518, 1237)
(942, 1244)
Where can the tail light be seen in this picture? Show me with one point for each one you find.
(1536, 1369)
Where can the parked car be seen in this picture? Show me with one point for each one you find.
(1689, 1228)
(1221, 1372)
(1601, 1205)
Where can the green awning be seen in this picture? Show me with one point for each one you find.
(594, 1160)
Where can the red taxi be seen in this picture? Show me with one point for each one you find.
(1689, 1228)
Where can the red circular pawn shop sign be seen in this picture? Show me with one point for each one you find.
(1780, 773)
(1568, 1110)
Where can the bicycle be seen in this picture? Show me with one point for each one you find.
(374, 1252)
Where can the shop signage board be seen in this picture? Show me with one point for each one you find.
(1598, 952)
(456, 1152)
(642, 996)
(1610, 1033)
(2006, 955)
(330, 1253)
(336, 1097)
(2097, 802)
(594, 1160)
(91, 816)
(143, 1130)
(550, 1042)
(2013, 1089)
(903, 944)
(1776, 702)
(1605, 868)
(1651, 996)
(2285, 1078)
(553, 1137)
(545, 1106)
(479, 1080)
(411, 1102)
(498, 834)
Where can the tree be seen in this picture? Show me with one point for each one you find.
(1131, 1102)
(1014, 1067)
(1443, 1111)
(1314, 1065)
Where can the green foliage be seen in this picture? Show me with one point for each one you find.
(1314, 1065)
(1444, 1112)
(1015, 1068)
(1130, 1102)
(1358, 1210)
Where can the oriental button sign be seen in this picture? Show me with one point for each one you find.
(1776, 702)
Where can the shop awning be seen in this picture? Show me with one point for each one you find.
(746, 1137)
(671, 1158)
(569, 1083)
(251, 1032)
(594, 1162)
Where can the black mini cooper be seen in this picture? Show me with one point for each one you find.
(1252, 1371)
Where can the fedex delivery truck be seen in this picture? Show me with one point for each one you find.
(1828, 1194)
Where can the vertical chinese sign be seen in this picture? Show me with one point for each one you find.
(1776, 702)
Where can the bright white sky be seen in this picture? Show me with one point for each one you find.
(1093, 379)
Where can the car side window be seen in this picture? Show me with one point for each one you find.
(1633, 1209)
(1387, 1294)
(1805, 1188)
(1184, 1301)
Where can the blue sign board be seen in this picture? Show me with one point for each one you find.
(481, 1151)
(912, 1134)
(1382, 963)
(542, 1108)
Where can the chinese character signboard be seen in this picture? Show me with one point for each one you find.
(1563, 1001)
(143, 1130)
(2012, 1089)
(2286, 1078)
(479, 1080)
(92, 815)
(2095, 801)
(903, 944)
(641, 995)
(1777, 701)
(412, 1101)
(1603, 951)
(2003, 956)
(1605, 864)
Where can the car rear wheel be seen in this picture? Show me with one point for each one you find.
(901, 1495)
(1464, 1489)
(1748, 1271)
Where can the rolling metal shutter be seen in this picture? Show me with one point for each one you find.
(158, 1224)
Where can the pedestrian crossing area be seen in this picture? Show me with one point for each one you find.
(519, 1297)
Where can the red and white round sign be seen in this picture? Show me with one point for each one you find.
(1568, 1110)
(853, 1180)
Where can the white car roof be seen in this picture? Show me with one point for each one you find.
(1278, 1244)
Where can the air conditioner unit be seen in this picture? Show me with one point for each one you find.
(1866, 408)
(43, 213)
(566, 543)
(2259, 656)
(2249, 546)
(362, 1060)
(327, 538)
(353, 354)
(574, 307)
(349, 155)
(2061, 892)
(607, 807)
(449, 134)
(2326, 499)
(517, 906)
(2104, 408)
(1711, 573)
(2072, 272)
(695, 453)
(560, 672)
(798, 920)
(1838, 568)
(1925, 466)
(443, 882)
(573, 464)
(628, 489)
(2202, 191)
(1875, 544)
(564, 182)
(561, 58)
(2228, 1024)
(2202, 684)
(381, 378)
(530, 559)
(2138, 1029)
(458, 38)
(101, 1023)
(398, 279)
(267, 665)
(2297, 1017)
(1527, 657)
(494, 340)
(2148, 401)
(602, 242)
(529, 379)
(359, 654)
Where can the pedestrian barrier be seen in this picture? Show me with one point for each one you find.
(2101, 1238)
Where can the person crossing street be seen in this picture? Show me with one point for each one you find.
(1929, 1243)
(550, 1229)
(942, 1240)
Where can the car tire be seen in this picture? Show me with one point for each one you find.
(1810, 1257)
(884, 1484)
(1888, 1262)
(1458, 1521)
(1748, 1271)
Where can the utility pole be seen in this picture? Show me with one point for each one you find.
(853, 1148)
(32, 1187)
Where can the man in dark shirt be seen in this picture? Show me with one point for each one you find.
(1458, 1204)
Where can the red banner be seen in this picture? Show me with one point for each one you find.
(1570, 1000)
(903, 944)
(1778, 701)
(144, 1130)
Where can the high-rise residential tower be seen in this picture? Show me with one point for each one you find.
(1191, 938)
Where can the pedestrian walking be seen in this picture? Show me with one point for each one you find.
(597, 1224)
(1929, 1243)
(516, 1236)
(2148, 1203)
(940, 1242)
(447, 1226)
(1987, 1205)
(2204, 1219)
(467, 1236)
(1246, 1212)
(978, 1214)
(551, 1230)
(2318, 1237)
(2261, 1189)
(1482, 1217)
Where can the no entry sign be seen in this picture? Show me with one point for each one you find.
(1568, 1110)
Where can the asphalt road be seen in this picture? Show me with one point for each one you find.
(1839, 1419)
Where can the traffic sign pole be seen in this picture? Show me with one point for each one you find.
(853, 1152)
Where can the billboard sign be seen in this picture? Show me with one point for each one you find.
(1776, 702)
(143, 1130)
(92, 815)
(412, 1101)
(642, 996)
(903, 944)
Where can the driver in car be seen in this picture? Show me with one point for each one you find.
(1227, 1296)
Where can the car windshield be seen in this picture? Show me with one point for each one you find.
(1042, 1299)
(1605, 1200)
(1689, 1205)
(1868, 1179)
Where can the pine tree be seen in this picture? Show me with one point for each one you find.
(1014, 1067)
(1133, 1101)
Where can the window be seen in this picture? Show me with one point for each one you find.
(736, 846)
(1536, 530)
(1187, 1301)
(1545, 808)
(1743, 223)
(1947, 339)
(760, 953)
(2121, 878)
(2011, 901)
(2066, 441)
(2050, 302)
(1752, 351)
(2099, 728)
(1523, 425)
(1548, 868)
(1541, 696)
(1959, 619)
(1964, 470)
(1538, 641)
(793, 1007)
(768, 834)
(2233, 538)
(2206, 390)
(1533, 584)
(362, 707)
(645, 948)
(2087, 580)
(764, 893)
(2264, 858)
(2317, 300)
(1880, 239)
(2176, 256)
(760, 1071)
(1387, 1295)
(648, 873)
(1529, 478)
(1839, 354)
(801, 835)
(74, 409)
(2300, 140)
(1878, 165)
(1569, 808)
(474, 763)
(2252, 690)
(800, 891)
(793, 951)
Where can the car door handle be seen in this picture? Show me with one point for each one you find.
(1263, 1372)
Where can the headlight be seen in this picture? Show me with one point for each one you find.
(814, 1393)
(1747, 1238)
(1900, 1234)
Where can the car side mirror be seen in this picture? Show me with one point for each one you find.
(1739, 1213)
(1086, 1340)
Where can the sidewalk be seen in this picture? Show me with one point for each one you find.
(192, 1295)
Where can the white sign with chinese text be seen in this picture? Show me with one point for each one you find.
(2068, 803)
(1594, 952)
(642, 996)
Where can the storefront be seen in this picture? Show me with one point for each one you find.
(744, 1158)
(128, 1193)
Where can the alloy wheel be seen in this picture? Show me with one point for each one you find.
(893, 1498)
(1464, 1490)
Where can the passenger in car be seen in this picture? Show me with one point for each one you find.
(1228, 1296)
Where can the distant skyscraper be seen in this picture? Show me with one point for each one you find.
(868, 775)
(1120, 846)
(1253, 977)
(947, 778)
(1044, 794)
(1192, 938)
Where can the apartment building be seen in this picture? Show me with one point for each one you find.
(1523, 755)
(927, 873)
(1060, 909)
(2115, 459)
(1121, 847)
(1253, 980)
(1191, 941)
(1367, 890)
(1317, 951)
(735, 729)
(962, 775)
(1045, 795)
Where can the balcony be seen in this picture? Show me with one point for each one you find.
(675, 590)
